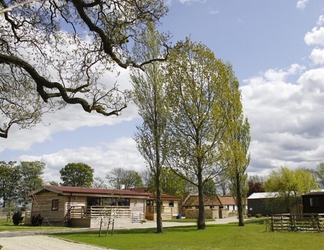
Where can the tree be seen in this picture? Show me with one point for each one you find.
(122, 178)
(255, 184)
(238, 159)
(222, 185)
(54, 183)
(150, 100)
(77, 175)
(202, 91)
(9, 179)
(31, 180)
(290, 185)
(54, 53)
(209, 187)
(99, 182)
(319, 174)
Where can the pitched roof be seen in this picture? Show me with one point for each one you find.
(152, 195)
(263, 195)
(211, 200)
(315, 192)
(64, 190)
(227, 200)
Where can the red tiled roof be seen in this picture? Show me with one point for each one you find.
(64, 190)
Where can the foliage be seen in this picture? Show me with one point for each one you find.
(255, 184)
(53, 183)
(99, 182)
(150, 99)
(31, 172)
(77, 175)
(54, 53)
(290, 185)
(238, 159)
(37, 220)
(319, 174)
(119, 177)
(209, 187)
(17, 218)
(202, 92)
(19, 180)
(10, 176)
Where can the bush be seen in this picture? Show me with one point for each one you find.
(258, 215)
(37, 220)
(17, 218)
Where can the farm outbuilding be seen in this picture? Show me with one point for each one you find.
(259, 203)
(313, 202)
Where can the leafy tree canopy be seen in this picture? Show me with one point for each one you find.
(77, 175)
(54, 53)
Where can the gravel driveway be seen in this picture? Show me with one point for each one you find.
(42, 242)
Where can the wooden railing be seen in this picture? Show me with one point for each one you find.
(99, 211)
(310, 222)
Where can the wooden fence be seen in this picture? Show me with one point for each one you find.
(307, 222)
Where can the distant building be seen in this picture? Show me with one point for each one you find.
(258, 203)
(313, 202)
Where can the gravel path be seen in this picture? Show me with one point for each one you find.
(37, 240)
(42, 242)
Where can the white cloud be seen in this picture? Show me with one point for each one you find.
(315, 37)
(192, 1)
(212, 11)
(317, 56)
(301, 4)
(121, 153)
(286, 119)
(320, 20)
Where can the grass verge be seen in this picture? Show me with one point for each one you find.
(229, 236)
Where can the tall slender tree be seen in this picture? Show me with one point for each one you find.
(150, 99)
(238, 159)
(202, 92)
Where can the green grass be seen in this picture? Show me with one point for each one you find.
(230, 236)
(7, 225)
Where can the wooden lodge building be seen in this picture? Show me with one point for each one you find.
(84, 207)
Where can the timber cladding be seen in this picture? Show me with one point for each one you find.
(42, 204)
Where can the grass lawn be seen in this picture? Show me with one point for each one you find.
(7, 225)
(230, 236)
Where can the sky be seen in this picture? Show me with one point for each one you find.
(276, 49)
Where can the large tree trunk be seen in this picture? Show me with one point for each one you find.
(201, 214)
(159, 227)
(239, 200)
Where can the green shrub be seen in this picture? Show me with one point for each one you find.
(258, 215)
(17, 218)
(37, 220)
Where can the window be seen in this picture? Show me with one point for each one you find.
(109, 201)
(123, 202)
(314, 202)
(55, 204)
(171, 203)
(149, 202)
